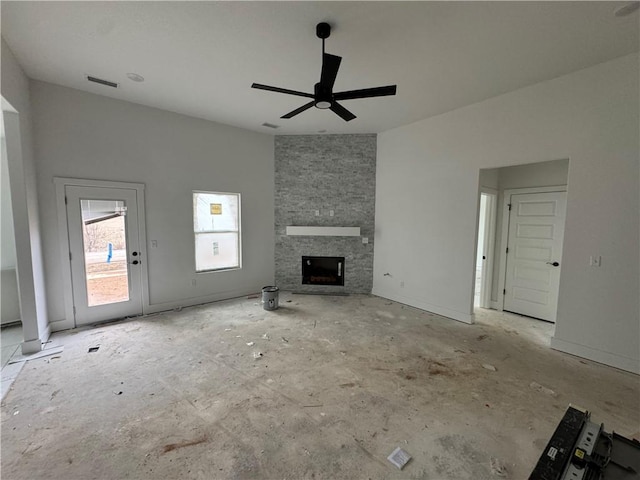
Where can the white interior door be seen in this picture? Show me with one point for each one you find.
(534, 256)
(104, 251)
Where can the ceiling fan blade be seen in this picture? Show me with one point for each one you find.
(259, 86)
(366, 92)
(299, 110)
(342, 112)
(330, 66)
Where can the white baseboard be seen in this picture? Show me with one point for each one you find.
(31, 346)
(495, 306)
(190, 302)
(66, 324)
(59, 325)
(618, 361)
(468, 318)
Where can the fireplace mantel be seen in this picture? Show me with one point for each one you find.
(324, 231)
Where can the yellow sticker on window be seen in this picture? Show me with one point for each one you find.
(216, 208)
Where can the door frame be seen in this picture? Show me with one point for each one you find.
(506, 200)
(63, 239)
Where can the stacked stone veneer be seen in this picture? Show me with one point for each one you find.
(325, 172)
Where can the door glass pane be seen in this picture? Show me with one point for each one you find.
(105, 251)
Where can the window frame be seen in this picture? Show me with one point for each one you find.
(238, 232)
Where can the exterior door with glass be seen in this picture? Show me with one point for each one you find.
(104, 251)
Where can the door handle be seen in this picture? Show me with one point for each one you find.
(555, 264)
(135, 262)
(134, 254)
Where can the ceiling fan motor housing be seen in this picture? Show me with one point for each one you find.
(322, 96)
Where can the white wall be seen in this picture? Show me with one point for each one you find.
(82, 135)
(24, 202)
(427, 194)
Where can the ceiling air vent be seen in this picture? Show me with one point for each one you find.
(102, 81)
(270, 125)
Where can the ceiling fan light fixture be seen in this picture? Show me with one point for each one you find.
(323, 104)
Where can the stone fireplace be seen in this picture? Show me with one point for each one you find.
(325, 207)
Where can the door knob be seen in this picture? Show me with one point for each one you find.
(555, 264)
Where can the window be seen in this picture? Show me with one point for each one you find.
(216, 225)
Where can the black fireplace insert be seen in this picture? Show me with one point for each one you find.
(323, 271)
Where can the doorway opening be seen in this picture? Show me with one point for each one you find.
(525, 237)
(10, 318)
(484, 252)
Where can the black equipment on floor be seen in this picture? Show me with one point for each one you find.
(581, 450)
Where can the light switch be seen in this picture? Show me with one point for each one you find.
(595, 260)
(331, 213)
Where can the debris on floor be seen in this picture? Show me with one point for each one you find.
(266, 336)
(251, 297)
(285, 340)
(399, 458)
(498, 468)
(175, 446)
(93, 349)
(257, 355)
(539, 388)
(482, 337)
(251, 344)
(488, 366)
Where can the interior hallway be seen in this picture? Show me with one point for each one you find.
(341, 382)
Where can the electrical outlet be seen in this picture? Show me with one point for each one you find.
(331, 212)
(317, 213)
(154, 244)
(193, 282)
(365, 240)
(595, 260)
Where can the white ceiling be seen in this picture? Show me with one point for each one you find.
(200, 58)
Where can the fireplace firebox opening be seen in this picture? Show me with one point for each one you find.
(323, 271)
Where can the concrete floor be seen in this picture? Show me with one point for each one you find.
(10, 340)
(341, 382)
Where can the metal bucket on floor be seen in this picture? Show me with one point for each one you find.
(270, 298)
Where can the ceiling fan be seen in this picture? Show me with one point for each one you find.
(323, 96)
